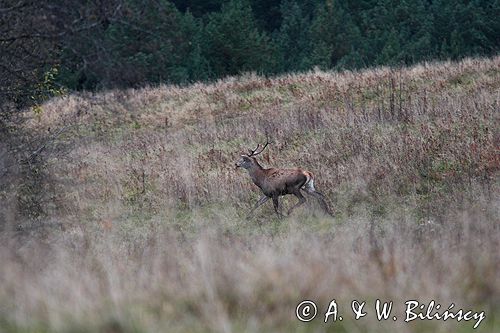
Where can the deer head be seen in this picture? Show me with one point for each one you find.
(247, 161)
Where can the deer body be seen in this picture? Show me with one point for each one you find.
(278, 182)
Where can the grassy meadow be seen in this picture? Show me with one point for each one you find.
(133, 217)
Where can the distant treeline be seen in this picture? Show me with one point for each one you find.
(87, 45)
(184, 41)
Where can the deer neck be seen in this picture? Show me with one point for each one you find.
(256, 172)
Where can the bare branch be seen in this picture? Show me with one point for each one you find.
(20, 4)
(54, 137)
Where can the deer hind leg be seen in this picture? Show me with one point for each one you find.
(301, 198)
(277, 206)
(309, 188)
(322, 202)
(259, 203)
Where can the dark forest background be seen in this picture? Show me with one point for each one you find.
(50, 47)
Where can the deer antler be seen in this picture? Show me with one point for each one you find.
(254, 152)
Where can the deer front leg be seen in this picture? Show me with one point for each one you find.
(261, 201)
(277, 206)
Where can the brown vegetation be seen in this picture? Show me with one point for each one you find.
(143, 227)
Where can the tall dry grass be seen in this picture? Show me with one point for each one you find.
(144, 225)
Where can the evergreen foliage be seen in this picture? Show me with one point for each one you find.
(233, 42)
(128, 43)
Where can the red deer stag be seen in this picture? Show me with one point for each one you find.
(277, 182)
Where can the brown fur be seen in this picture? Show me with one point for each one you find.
(278, 182)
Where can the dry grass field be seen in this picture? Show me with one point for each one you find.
(140, 214)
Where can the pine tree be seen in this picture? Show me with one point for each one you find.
(267, 14)
(148, 44)
(391, 52)
(415, 23)
(333, 35)
(234, 44)
(197, 66)
(293, 36)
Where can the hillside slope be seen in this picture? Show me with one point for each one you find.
(376, 132)
(141, 215)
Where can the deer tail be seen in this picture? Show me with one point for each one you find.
(309, 184)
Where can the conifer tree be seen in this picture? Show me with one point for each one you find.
(333, 35)
(293, 37)
(234, 44)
